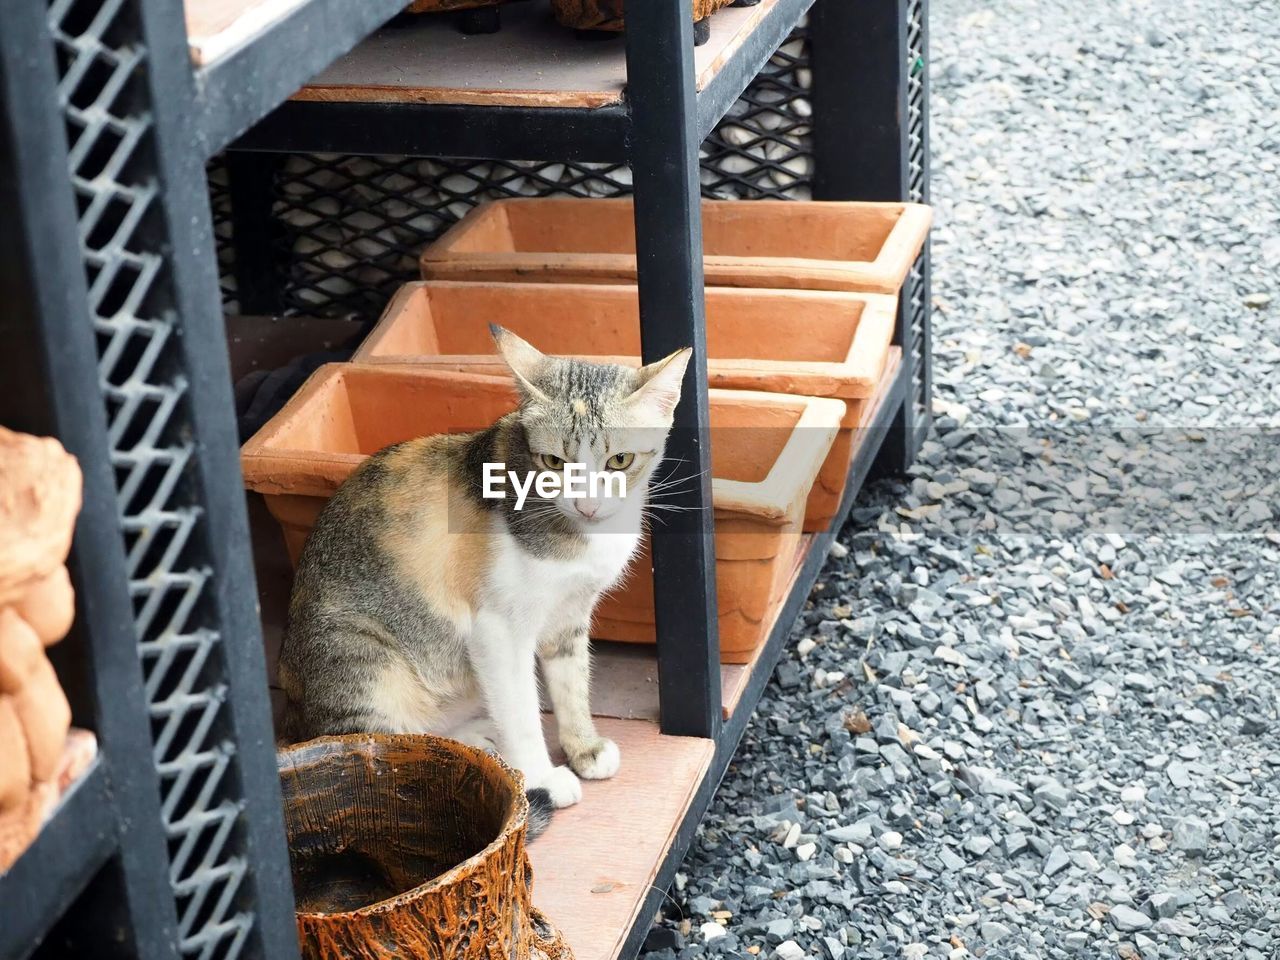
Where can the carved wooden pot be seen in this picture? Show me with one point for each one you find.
(445, 6)
(413, 847)
(608, 15)
(473, 16)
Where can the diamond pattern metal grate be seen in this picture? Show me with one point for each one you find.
(103, 89)
(915, 292)
(348, 229)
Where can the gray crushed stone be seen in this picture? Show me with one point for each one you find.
(1054, 731)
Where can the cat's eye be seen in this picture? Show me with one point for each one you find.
(620, 461)
(550, 461)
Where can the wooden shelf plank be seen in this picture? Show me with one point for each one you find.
(531, 62)
(69, 849)
(217, 26)
(594, 867)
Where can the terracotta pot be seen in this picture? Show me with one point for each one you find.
(812, 343)
(410, 846)
(766, 450)
(828, 487)
(759, 243)
(39, 499)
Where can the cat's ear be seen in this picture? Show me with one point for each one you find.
(523, 359)
(660, 383)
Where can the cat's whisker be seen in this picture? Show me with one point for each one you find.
(668, 481)
(677, 487)
(674, 485)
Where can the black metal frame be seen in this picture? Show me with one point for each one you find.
(140, 859)
(115, 345)
(668, 216)
(870, 142)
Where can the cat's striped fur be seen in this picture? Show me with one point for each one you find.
(419, 605)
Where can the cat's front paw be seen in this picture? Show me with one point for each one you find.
(597, 760)
(562, 785)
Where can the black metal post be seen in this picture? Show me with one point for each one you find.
(118, 348)
(870, 142)
(250, 182)
(668, 222)
(212, 507)
(49, 368)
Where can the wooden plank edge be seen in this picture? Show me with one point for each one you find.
(207, 48)
(456, 96)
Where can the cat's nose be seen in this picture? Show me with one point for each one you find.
(587, 508)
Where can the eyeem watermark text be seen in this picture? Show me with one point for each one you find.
(574, 482)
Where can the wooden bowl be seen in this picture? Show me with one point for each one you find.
(410, 846)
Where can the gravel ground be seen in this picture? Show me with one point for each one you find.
(1032, 709)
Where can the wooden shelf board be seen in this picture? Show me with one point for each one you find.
(531, 62)
(594, 866)
(217, 26)
(64, 856)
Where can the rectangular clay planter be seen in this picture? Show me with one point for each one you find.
(828, 487)
(807, 245)
(812, 343)
(815, 343)
(766, 450)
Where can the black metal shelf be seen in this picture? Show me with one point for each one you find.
(264, 63)
(71, 847)
(420, 91)
(115, 343)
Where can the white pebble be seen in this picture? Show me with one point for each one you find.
(1125, 856)
(1134, 794)
(792, 836)
(712, 930)
(891, 840)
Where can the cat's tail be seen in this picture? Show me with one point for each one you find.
(541, 810)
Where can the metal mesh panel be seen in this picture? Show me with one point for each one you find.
(761, 147)
(220, 202)
(113, 166)
(349, 229)
(917, 187)
(915, 290)
(353, 227)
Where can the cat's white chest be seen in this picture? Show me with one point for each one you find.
(539, 591)
(596, 568)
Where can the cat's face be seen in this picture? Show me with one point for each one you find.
(600, 428)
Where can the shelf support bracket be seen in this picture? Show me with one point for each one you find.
(871, 142)
(663, 150)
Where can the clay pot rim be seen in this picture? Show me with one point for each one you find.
(275, 470)
(909, 220)
(516, 819)
(849, 378)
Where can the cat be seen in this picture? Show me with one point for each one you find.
(420, 605)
